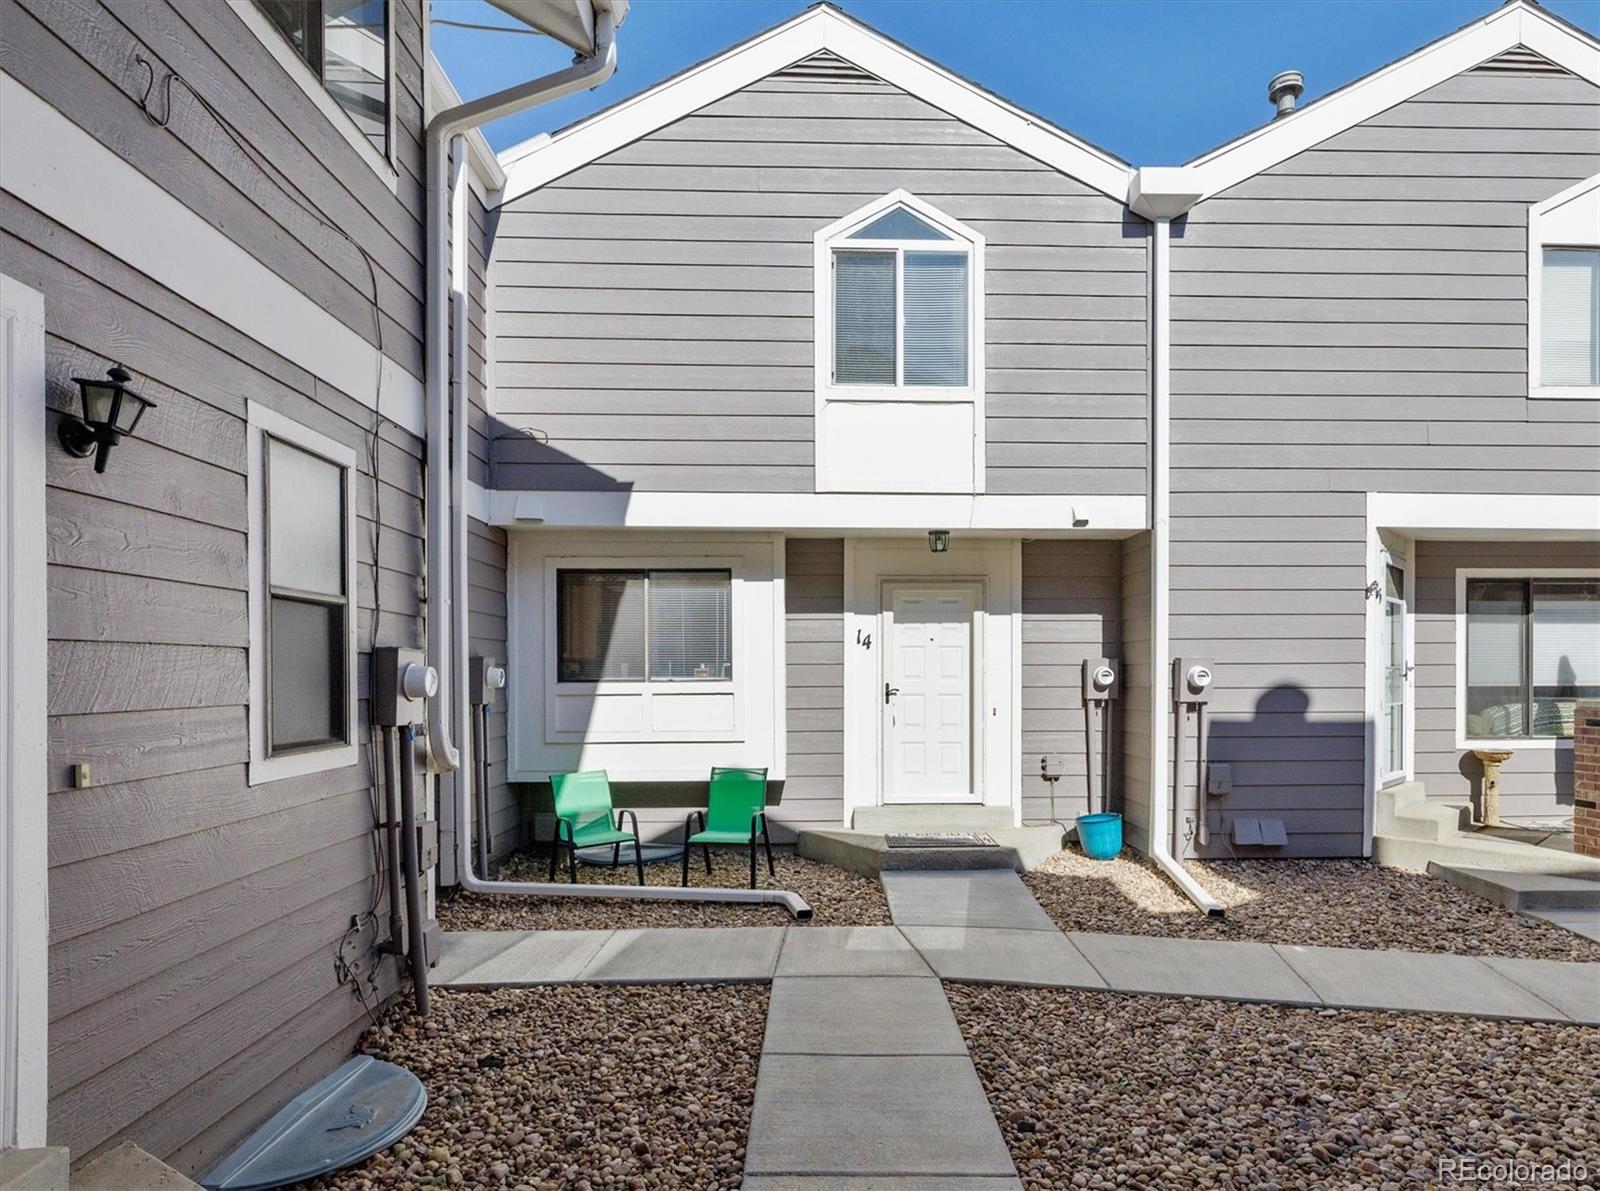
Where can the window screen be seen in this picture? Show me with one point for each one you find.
(1569, 347)
(309, 604)
(936, 318)
(1533, 650)
(864, 318)
(1496, 610)
(610, 623)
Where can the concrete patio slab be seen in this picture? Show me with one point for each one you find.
(852, 1115)
(861, 1015)
(891, 1182)
(998, 899)
(503, 958)
(1579, 922)
(1572, 988)
(992, 955)
(849, 951)
(693, 955)
(1194, 968)
(1410, 981)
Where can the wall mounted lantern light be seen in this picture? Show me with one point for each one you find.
(110, 410)
(938, 540)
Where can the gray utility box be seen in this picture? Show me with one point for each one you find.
(391, 705)
(1053, 766)
(1192, 680)
(485, 678)
(1102, 680)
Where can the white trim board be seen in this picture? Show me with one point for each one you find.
(24, 911)
(543, 158)
(813, 512)
(1520, 23)
(1570, 219)
(1507, 743)
(263, 422)
(1484, 515)
(43, 158)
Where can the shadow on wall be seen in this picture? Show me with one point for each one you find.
(1310, 773)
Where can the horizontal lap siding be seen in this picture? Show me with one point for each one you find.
(1135, 708)
(486, 576)
(1071, 611)
(813, 794)
(1352, 320)
(195, 918)
(654, 308)
(1535, 783)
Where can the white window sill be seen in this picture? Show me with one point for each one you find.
(1517, 744)
(899, 393)
(1564, 392)
(273, 769)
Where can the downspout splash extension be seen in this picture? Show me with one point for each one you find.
(1161, 797)
(446, 506)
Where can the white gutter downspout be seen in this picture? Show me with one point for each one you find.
(447, 507)
(1160, 575)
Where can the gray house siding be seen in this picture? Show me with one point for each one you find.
(1536, 783)
(1135, 709)
(653, 321)
(195, 919)
(813, 794)
(1352, 320)
(1071, 610)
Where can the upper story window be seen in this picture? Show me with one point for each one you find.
(302, 600)
(1532, 651)
(644, 626)
(1569, 347)
(346, 43)
(901, 301)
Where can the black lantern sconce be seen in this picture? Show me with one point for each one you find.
(110, 410)
(938, 540)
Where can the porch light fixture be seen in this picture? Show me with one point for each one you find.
(938, 540)
(110, 410)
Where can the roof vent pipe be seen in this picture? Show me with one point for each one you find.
(1284, 90)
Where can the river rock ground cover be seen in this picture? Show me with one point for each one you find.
(1108, 1090)
(573, 1087)
(1330, 903)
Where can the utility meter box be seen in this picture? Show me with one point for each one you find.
(1192, 680)
(1219, 779)
(402, 684)
(486, 678)
(1052, 766)
(1102, 680)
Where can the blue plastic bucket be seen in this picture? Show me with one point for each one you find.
(1100, 836)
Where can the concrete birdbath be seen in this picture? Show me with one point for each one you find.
(1492, 760)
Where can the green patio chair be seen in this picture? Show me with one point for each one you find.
(736, 804)
(585, 818)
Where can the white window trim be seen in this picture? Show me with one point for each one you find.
(278, 46)
(1570, 219)
(262, 422)
(1508, 744)
(835, 235)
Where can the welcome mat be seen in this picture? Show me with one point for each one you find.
(940, 839)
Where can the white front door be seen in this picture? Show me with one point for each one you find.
(1394, 658)
(927, 693)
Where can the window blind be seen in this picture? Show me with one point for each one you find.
(1569, 341)
(936, 318)
(864, 318)
(691, 625)
(601, 625)
(1494, 633)
(1566, 637)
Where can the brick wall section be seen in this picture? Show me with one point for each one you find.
(1586, 780)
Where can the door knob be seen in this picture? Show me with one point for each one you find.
(889, 692)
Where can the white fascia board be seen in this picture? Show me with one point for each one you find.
(807, 512)
(44, 159)
(1484, 514)
(442, 95)
(538, 161)
(1517, 24)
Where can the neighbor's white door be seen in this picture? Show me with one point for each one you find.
(1394, 658)
(927, 694)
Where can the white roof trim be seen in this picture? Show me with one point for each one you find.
(535, 162)
(899, 198)
(1517, 24)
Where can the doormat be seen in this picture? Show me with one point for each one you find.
(940, 839)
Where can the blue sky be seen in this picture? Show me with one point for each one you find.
(1154, 81)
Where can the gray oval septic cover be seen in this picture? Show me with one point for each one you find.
(364, 1106)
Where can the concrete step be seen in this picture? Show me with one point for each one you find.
(1017, 849)
(1462, 850)
(931, 816)
(1524, 891)
(41, 1169)
(127, 1167)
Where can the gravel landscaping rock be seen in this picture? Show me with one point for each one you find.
(1102, 1090)
(573, 1087)
(836, 897)
(1329, 903)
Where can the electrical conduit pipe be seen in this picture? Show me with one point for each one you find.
(447, 511)
(1162, 815)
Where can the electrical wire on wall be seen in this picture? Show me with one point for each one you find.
(349, 967)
